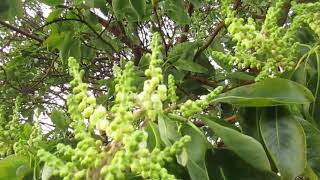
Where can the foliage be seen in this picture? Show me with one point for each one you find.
(159, 89)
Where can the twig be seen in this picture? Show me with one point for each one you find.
(21, 31)
(210, 39)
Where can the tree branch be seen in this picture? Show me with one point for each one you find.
(209, 40)
(137, 50)
(159, 29)
(214, 33)
(21, 31)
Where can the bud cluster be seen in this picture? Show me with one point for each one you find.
(190, 107)
(10, 134)
(272, 49)
(154, 91)
(87, 154)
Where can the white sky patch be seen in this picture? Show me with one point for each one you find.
(98, 12)
(46, 10)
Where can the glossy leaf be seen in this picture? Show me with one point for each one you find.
(189, 66)
(182, 56)
(313, 145)
(196, 150)
(269, 92)
(219, 121)
(215, 170)
(168, 133)
(314, 86)
(153, 136)
(167, 130)
(285, 141)
(133, 10)
(248, 117)
(246, 147)
(230, 167)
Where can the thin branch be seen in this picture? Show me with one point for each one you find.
(210, 39)
(185, 29)
(118, 31)
(214, 33)
(21, 31)
(87, 24)
(159, 28)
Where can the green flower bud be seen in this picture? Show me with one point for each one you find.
(87, 112)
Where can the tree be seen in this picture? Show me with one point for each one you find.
(160, 89)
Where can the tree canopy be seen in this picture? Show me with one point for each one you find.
(159, 89)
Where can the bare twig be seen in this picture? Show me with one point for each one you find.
(23, 32)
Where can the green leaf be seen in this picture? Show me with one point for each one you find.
(10, 165)
(246, 147)
(10, 9)
(214, 166)
(53, 2)
(314, 85)
(248, 118)
(133, 10)
(97, 4)
(87, 53)
(4, 6)
(55, 40)
(196, 3)
(65, 48)
(219, 121)
(285, 141)
(168, 130)
(269, 92)
(313, 145)
(241, 76)
(75, 49)
(189, 66)
(176, 12)
(139, 6)
(196, 150)
(58, 118)
(100, 4)
(169, 134)
(153, 136)
(181, 56)
(54, 14)
(185, 50)
(229, 167)
(310, 174)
